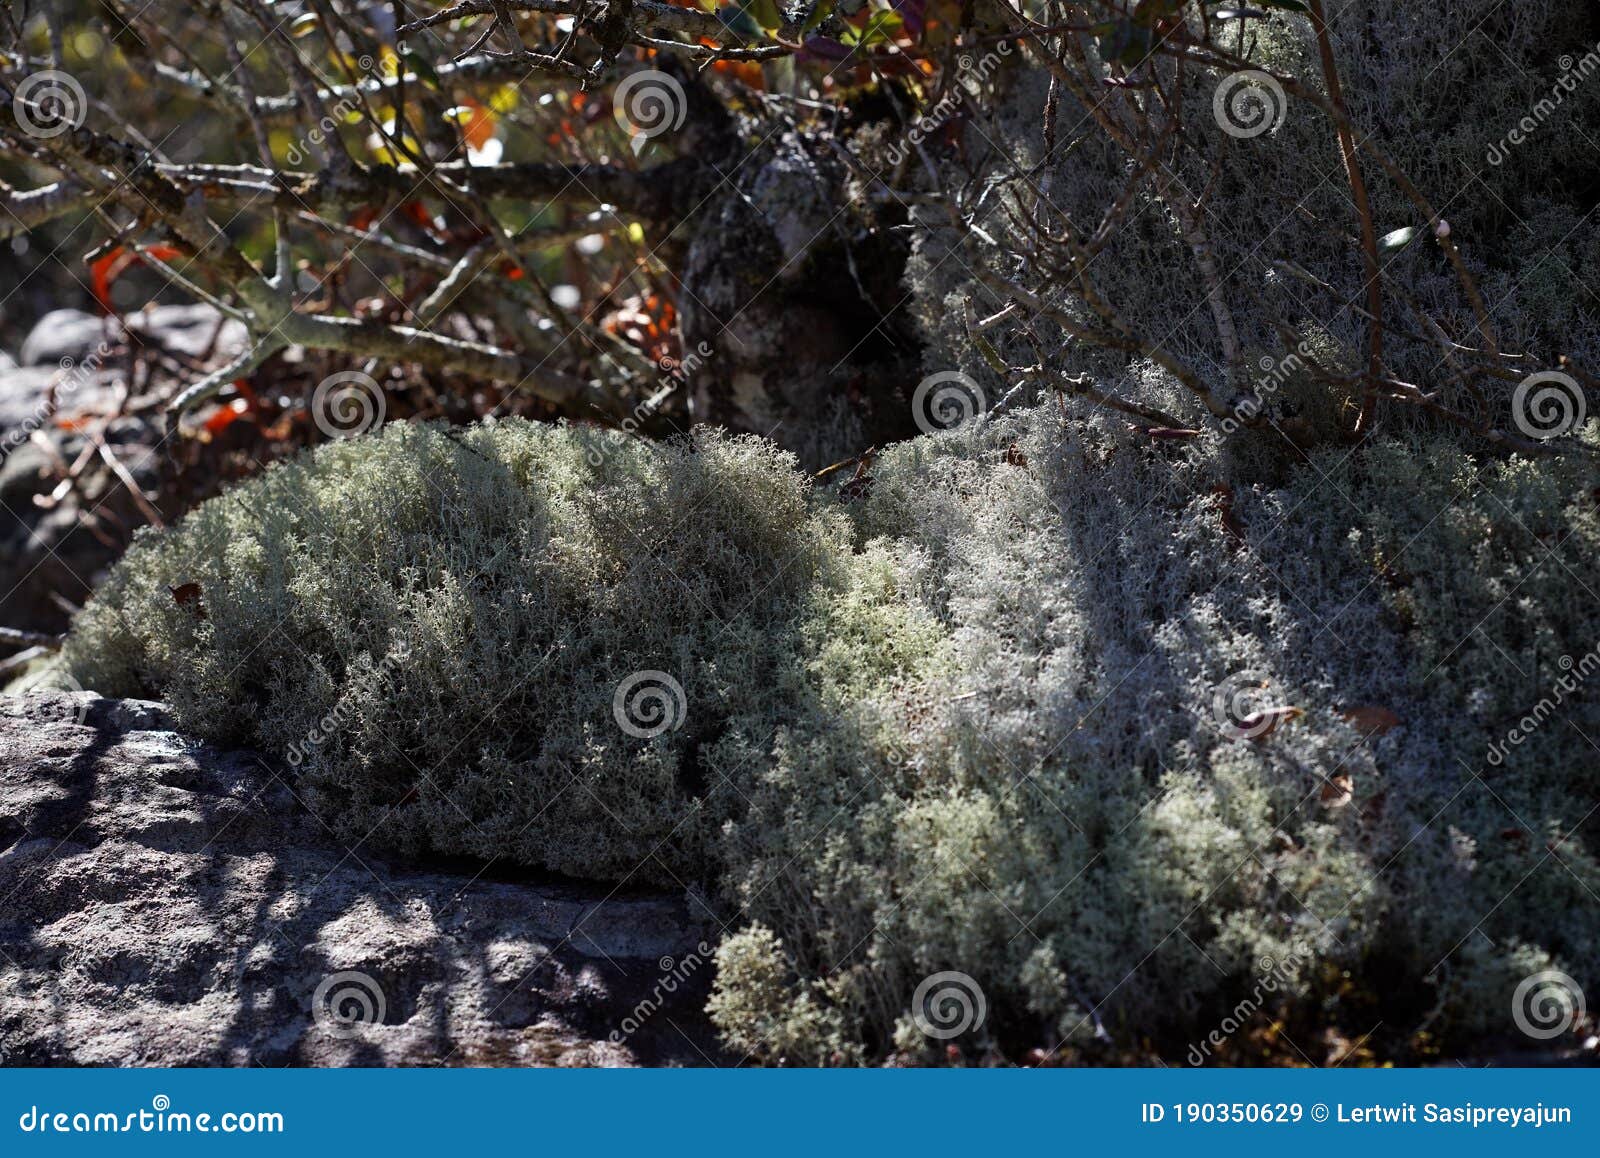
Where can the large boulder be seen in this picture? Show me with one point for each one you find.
(166, 903)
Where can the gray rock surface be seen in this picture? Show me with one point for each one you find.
(62, 334)
(55, 545)
(76, 335)
(165, 903)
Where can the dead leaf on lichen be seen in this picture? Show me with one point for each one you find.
(1371, 720)
(1338, 790)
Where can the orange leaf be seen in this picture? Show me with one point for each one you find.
(478, 128)
(226, 416)
(746, 72)
(106, 269)
(418, 212)
(243, 387)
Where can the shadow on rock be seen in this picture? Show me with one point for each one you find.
(166, 903)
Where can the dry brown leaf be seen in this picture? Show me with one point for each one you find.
(1371, 719)
(188, 595)
(1373, 809)
(1230, 521)
(1258, 726)
(1338, 790)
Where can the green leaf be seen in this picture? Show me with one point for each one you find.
(881, 27)
(819, 13)
(765, 13)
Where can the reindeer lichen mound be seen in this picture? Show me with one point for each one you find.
(514, 641)
(1118, 731)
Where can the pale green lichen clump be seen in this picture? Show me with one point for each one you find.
(967, 722)
(432, 628)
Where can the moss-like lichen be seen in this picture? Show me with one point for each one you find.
(967, 723)
(433, 629)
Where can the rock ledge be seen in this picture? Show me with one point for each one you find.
(165, 903)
